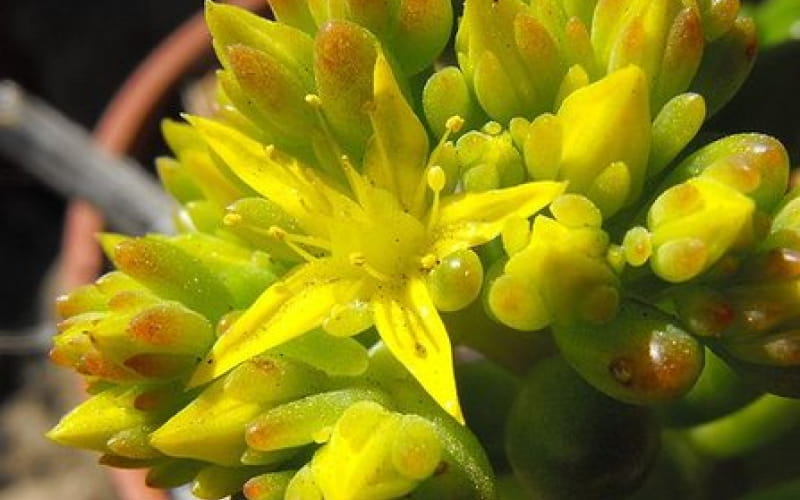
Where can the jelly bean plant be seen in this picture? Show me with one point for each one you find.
(444, 250)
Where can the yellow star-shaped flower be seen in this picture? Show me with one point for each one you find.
(369, 242)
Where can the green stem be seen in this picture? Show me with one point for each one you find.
(743, 431)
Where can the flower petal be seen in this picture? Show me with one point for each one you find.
(284, 311)
(471, 219)
(297, 191)
(396, 154)
(411, 328)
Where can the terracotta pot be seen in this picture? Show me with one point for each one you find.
(80, 260)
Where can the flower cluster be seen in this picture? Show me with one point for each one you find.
(355, 207)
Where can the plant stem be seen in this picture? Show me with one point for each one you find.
(741, 432)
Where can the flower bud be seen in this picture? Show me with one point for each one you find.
(371, 448)
(100, 418)
(414, 32)
(216, 482)
(211, 177)
(726, 63)
(344, 58)
(489, 160)
(456, 281)
(688, 235)
(212, 427)
(243, 272)
(641, 356)
(275, 91)
(529, 296)
(446, 94)
(617, 102)
(675, 125)
(269, 486)
(756, 165)
(304, 421)
(564, 438)
(173, 274)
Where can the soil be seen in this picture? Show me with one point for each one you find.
(31, 467)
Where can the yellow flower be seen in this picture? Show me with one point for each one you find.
(369, 240)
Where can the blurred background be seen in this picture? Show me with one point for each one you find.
(75, 55)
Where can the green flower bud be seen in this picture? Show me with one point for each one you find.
(97, 420)
(275, 91)
(294, 13)
(491, 61)
(177, 181)
(529, 296)
(210, 176)
(567, 440)
(305, 421)
(216, 482)
(172, 473)
(269, 486)
(212, 427)
(173, 274)
(489, 159)
(243, 272)
(344, 58)
(641, 356)
(726, 63)
(590, 151)
(754, 164)
(413, 31)
(456, 281)
(374, 450)
(230, 25)
(674, 126)
(687, 233)
(445, 95)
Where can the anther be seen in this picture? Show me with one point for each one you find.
(454, 124)
(313, 100)
(428, 261)
(277, 233)
(436, 178)
(359, 260)
(232, 219)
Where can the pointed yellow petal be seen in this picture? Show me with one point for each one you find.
(411, 328)
(286, 310)
(471, 219)
(396, 154)
(298, 192)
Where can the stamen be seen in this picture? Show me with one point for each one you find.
(315, 102)
(353, 177)
(357, 259)
(294, 241)
(281, 234)
(452, 126)
(437, 180)
(232, 219)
